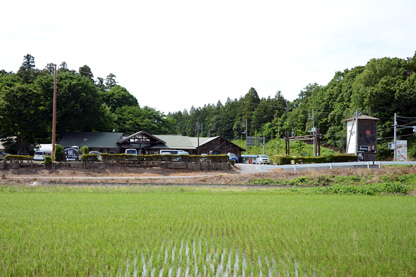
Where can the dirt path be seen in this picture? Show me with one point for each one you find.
(236, 176)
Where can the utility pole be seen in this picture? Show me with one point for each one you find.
(313, 132)
(395, 138)
(245, 132)
(198, 127)
(356, 137)
(54, 117)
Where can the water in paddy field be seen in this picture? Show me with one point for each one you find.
(202, 259)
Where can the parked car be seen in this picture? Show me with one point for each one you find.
(39, 156)
(248, 159)
(262, 159)
(173, 152)
(96, 153)
(233, 157)
(2, 155)
(131, 151)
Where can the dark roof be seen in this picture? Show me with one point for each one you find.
(91, 139)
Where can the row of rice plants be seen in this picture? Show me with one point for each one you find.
(193, 232)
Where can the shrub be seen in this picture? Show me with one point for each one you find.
(84, 150)
(59, 152)
(341, 158)
(48, 160)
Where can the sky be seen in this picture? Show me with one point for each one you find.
(172, 55)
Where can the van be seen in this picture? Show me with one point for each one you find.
(248, 159)
(173, 152)
(131, 151)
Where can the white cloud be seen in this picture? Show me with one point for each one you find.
(175, 54)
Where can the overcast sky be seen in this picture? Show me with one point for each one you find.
(175, 54)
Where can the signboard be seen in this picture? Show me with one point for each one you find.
(351, 137)
(71, 154)
(251, 141)
(401, 150)
(367, 136)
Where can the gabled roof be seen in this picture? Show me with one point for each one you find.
(185, 142)
(176, 142)
(362, 117)
(127, 138)
(91, 139)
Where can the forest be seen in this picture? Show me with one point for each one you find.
(382, 87)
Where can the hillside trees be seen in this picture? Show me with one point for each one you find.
(82, 105)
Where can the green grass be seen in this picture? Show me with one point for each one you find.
(58, 230)
(337, 184)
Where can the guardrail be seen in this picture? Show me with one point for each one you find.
(296, 167)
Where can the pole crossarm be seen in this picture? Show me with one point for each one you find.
(308, 137)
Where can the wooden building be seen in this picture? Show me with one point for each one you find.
(146, 143)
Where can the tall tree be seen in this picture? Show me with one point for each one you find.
(118, 97)
(110, 81)
(79, 107)
(22, 116)
(27, 70)
(86, 72)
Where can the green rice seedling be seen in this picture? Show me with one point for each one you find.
(53, 231)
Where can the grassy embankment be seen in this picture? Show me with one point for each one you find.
(59, 230)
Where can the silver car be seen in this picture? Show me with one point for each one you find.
(262, 159)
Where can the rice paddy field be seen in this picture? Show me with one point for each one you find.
(177, 231)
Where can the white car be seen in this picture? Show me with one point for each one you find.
(96, 153)
(262, 159)
(131, 151)
(39, 156)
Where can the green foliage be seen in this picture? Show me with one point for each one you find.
(347, 184)
(158, 158)
(84, 150)
(26, 104)
(371, 189)
(48, 160)
(89, 157)
(18, 157)
(130, 119)
(118, 97)
(380, 88)
(22, 114)
(59, 152)
(282, 160)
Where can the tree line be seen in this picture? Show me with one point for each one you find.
(84, 104)
(380, 88)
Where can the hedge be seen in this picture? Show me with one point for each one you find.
(282, 160)
(18, 157)
(157, 158)
(89, 157)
